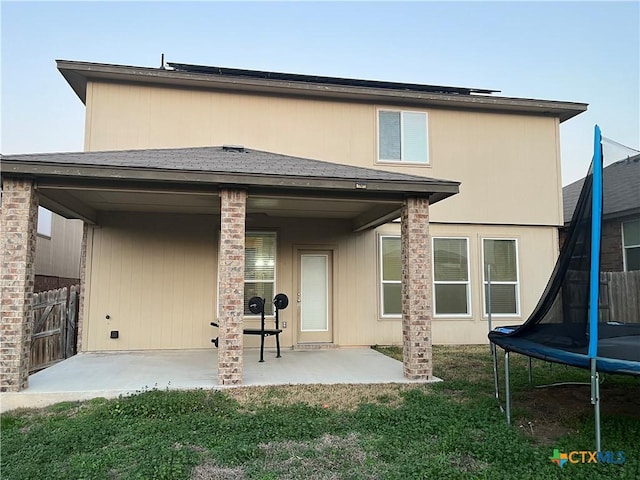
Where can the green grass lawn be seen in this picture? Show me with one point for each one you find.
(452, 429)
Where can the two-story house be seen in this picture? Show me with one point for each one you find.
(203, 186)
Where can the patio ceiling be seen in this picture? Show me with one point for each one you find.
(86, 203)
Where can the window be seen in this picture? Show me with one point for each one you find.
(451, 276)
(631, 244)
(260, 269)
(44, 222)
(390, 276)
(402, 136)
(502, 255)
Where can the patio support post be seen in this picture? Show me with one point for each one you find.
(18, 230)
(83, 284)
(416, 289)
(231, 285)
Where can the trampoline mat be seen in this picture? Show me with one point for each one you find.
(620, 354)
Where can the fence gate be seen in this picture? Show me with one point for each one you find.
(55, 315)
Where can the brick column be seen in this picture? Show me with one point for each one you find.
(231, 285)
(83, 286)
(18, 230)
(416, 289)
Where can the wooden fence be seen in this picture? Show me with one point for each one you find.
(55, 316)
(623, 295)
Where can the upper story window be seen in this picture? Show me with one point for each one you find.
(631, 244)
(259, 269)
(44, 222)
(402, 136)
(502, 255)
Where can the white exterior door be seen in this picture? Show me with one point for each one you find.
(314, 297)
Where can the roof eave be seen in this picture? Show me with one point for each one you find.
(436, 190)
(78, 73)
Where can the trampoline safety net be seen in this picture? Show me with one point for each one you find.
(558, 328)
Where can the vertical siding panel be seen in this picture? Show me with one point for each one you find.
(166, 291)
(155, 275)
(154, 301)
(144, 289)
(137, 314)
(192, 288)
(181, 315)
(126, 320)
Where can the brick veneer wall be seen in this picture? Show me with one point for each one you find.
(611, 246)
(611, 257)
(18, 229)
(49, 282)
(83, 286)
(416, 289)
(231, 285)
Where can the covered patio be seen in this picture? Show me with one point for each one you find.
(110, 374)
(192, 208)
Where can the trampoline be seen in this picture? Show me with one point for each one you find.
(572, 323)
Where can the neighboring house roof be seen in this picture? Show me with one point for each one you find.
(621, 190)
(287, 84)
(207, 168)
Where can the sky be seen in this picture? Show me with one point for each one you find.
(586, 52)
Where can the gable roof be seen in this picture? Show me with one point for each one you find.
(621, 190)
(78, 74)
(225, 166)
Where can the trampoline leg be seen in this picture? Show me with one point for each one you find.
(507, 387)
(595, 400)
(530, 371)
(496, 386)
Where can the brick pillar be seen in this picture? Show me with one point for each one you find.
(416, 289)
(83, 285)
(231, 285)
(18, 230)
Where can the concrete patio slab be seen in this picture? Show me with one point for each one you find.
(110, 374)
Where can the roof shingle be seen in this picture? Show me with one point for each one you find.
(621, 189)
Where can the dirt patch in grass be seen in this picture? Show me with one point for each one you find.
(467, 464)
(338, 397)
(552, 412)
(212, 471)
(328, 457)
(545, 414)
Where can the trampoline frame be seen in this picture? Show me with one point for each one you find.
(556, 354)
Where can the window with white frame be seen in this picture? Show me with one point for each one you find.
(259, 269)
(44, 222)
(402, 136)
(502, 255)
(390, 276)
(451, 276)
(631, 245)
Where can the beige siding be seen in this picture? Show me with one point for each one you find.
(155, 276)
(59, 255)
(508, 164)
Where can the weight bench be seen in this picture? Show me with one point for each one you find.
(256, 306)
